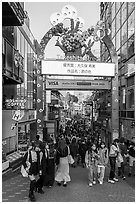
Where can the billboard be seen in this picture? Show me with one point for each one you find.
(77, 68)
(69, 84)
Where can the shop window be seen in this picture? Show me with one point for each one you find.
(123, 114)
(130, 98)
(124, 33)
(131, 48)
(123, 99)
(124, 12)
(118, 19)
(124, 52)
(113, 40)
(18, 39)
(113, 11)
(118, 40)
(131, 25)
(22, 48)
(9, 57)
(118, 4)
(131, 81)
(113, 28)
(131, 7)
(130, 114)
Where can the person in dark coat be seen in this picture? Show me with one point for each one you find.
(50, 173)
(123, 151)
(74, 150)
(31, 162)
(43, 168)
(82, 152)
(38, 142)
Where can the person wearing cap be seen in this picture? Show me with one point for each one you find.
(31, 162)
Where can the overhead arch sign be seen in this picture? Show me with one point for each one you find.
(69, 84)
(77, 68)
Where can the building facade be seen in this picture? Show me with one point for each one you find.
(120, 17)
(19, 63)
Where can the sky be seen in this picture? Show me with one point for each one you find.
(39, 14)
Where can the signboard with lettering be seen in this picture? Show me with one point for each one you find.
(18, 115)
(77, 68)
(68, 84)
(14, 103)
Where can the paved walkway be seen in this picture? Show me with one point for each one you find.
(16, 189)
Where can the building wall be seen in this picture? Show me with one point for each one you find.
(120, 16)
(19, 39)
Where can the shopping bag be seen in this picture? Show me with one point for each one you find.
(120, 158)
(24, 172)
(70, 159)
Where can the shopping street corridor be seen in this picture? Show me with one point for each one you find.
(16, 188)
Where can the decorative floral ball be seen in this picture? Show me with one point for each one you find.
(85, 34)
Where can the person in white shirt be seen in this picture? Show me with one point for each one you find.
(114, 150)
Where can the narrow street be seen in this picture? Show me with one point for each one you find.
(16, 189)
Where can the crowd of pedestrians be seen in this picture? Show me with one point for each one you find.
(46, 163)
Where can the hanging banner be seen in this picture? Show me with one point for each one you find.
(68, 84)
(77, 68)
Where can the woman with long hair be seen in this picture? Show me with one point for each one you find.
(114, 150)
(62, 174)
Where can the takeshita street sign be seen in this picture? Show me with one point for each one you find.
(77, 68)
(69, 84)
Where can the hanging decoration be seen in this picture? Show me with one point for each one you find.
(72, 40)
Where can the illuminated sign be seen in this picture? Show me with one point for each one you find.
(15, 102)
(77, 68)
(68, 84)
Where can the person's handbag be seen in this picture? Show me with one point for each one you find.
(23, 170)
(120, 158)
(70, 159)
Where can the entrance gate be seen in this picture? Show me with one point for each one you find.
(72, 41)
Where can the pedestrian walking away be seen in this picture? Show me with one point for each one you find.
(62, 173)
(74, 151)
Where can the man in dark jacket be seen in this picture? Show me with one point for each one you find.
(123, 151)
(82, 152)
(131, 152)
(43, 168)
(31, 163)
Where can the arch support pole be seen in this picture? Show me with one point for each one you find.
(114, 87)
